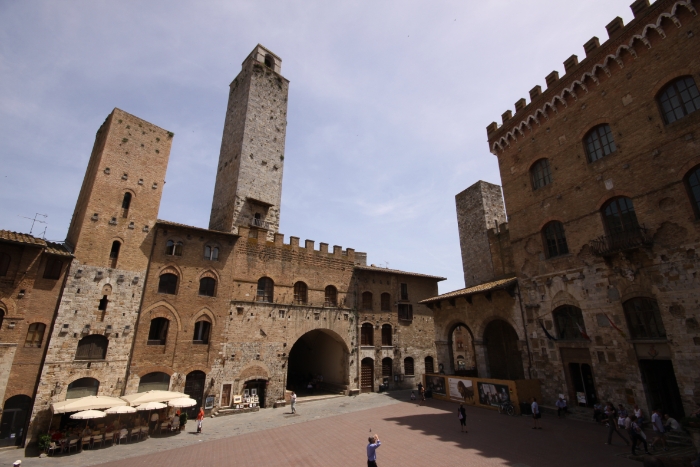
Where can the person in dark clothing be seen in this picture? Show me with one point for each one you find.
(611, 419)
(636, 435)
(462, 415)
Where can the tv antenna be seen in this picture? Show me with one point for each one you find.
(34, 220)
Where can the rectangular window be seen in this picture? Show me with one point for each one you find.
(404, 291)
(53, 268)
(406, 312)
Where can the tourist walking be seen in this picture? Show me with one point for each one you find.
(639, 413)
(422, 395)
(154, 422)
(561, 406)
(536, 415)
(611, 419)
(293, 398)
(200, 419)
(462, 415)
(374, 443)
(658, 425)
(637, 435)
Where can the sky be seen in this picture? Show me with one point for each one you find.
(388, 105)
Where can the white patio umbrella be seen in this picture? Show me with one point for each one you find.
(86, 403)
(120, 410)
(88, 415)
(182, 402)
(151, 406)
(152, 396)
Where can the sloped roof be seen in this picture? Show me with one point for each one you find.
(201, 229)
(57, 249)
(17, 237)
(480, 288)
(396, 271)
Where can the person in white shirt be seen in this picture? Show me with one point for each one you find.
(293, 399)
(671, 424)
(535, 414)
(561, 406)
(154, 422)
(658, 426)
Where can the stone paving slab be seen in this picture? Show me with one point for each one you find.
(334, 433)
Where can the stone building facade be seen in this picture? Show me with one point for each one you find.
(152, 304)
(600, 177)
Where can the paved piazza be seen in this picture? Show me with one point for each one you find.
(333, 432)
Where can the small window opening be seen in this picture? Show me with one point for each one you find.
(114, 254)
(126, 202)
(269, 61)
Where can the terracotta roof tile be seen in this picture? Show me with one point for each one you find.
(16, 237)
(481, 288)
(185, 226)
(396, 271)
(57, 249)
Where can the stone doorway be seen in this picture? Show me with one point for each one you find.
(14, 420)
(661, 387)
(504, 358)
(319, 357)
(194, 387)
(578, 371)
(367, 375)
(256, 387)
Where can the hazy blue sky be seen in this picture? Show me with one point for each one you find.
(388, 104)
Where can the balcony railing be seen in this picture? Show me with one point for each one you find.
(621, 241)
(260, 223)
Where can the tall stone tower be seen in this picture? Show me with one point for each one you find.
(479, 208)
(248, 187)
(111, 235)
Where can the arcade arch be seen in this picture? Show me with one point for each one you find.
(504, 358)
(321, 357)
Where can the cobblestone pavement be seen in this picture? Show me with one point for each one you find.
(333, 432)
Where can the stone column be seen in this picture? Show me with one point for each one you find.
(443, 357)
(482, 359)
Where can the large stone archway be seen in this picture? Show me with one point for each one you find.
(460, 341)
(319, 356)
(504, 358)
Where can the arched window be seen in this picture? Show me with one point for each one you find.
(678, 99)
(35, 335)
(269, 61)
(429, 368)
(692, 183)
(386, 302)
(126, 203)
(266, 290)
(53, 268)
(386, 334)
(619, 216)
(331, 296)
(644, 319)
(4, 263)
(158, 332)
(386, 367)
(211, 253)
(300, 293)
(207, 286)
(82, 387)
(367, 334)
(93, 347)
(156, 381)
(201, 332)
(167, 283)
(367, 300)
(173, 248)
(114, 254)
(540, 174)
(408, 366)
(569, 323)
(554, 239)
(599, 142)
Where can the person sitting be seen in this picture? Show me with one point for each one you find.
(413, 396)
(561, 406)
(598, 413)
(671, 424)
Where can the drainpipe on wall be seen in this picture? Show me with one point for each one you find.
(527, 338)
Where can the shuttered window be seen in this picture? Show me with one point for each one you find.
(92, 347)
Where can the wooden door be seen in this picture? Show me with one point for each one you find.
(226, 395)
(367, 375)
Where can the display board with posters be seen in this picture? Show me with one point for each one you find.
(483, 392)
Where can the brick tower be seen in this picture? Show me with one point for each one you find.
(248, 187)
(479, 208)
(111, 235)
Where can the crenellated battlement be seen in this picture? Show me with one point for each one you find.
(601, 62)
(309, 245)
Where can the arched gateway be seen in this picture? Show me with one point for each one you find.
(320, 357)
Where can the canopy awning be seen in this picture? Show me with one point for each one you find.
(86, 403)
(152, 396)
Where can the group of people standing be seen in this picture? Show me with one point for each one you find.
(618, 419)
